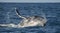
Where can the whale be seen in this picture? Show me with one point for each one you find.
(28, 21)
(31, 21)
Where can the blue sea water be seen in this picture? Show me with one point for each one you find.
(51, 10)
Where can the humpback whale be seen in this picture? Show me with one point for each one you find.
(31, 21)
(28, 21)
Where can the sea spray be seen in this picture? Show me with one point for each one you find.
(29, 21)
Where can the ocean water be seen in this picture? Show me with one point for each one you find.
(51, 11)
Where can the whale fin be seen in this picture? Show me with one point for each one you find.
(16, 10)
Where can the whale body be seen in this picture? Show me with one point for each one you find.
(31, 21)
(28, 21)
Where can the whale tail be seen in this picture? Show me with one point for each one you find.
(16, 10)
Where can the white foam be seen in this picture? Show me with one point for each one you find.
(26, 23)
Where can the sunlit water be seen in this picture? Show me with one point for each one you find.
(8, 15)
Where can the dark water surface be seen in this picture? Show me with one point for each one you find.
(51, 10)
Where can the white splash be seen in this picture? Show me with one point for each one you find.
(28, 22)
